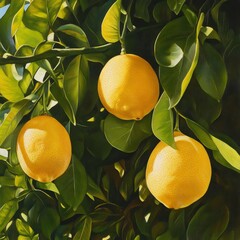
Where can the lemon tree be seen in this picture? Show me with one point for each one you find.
(52, 58)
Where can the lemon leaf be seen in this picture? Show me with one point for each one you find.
(84, 229)
(9, 87)
(162, 121)
(176, 51)
(229, 153)
(211, 72)
(126, 135)
(75, 81)
(72, 185)
(111, 23)
(175, 5)
(209, 222)
(202, 134)
(7, 211)
(13, 117)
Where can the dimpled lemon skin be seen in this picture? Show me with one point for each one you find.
(128, 87)
(178, 177)
(44, 148)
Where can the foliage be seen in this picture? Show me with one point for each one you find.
(51, 53)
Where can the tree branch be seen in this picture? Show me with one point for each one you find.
(53, 53)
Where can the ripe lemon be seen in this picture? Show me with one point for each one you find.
(44, 148)
(178, 177)
(128, 87)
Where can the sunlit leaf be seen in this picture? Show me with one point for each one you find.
(202, 134)
(9, 87)
(126, 135)
(23, 228)
(211, 72)
(111, 23)
(50, 186)
(7, 211)
(229, 153)
(53, 7)
(73, 184)
(162, 121)
(208, 33)
(72, 35)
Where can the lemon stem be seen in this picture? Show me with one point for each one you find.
(124, 31)
(123, 35)
(176, 128)
(45, 98)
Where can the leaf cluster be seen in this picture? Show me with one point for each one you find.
(51, 54)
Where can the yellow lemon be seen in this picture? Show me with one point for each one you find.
(178, 177)
(44, 148)
(128, 87)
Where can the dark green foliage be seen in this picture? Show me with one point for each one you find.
(51, 54)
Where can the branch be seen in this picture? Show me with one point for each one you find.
(53, 53)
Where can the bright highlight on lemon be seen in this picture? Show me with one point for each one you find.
(178, 177)
(44, 148)
(128, 87)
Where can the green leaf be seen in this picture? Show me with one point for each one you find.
(73, 184)
(176, 51)
(220, 159)
(99, 151)
(60, 96)
(202, 134)
(53, 7)
(111, 23)
(50, 186)
(126, 135)
(75, 81)
(36, 16)
(49, 220)
(209, 222)
(13, 117)
(7, 181)
(177, 223)
(229, 153)
(95, 190)
(211, 72)
(23, 228)
(7, 211)
(85, 4)
(84, 229)
(141, 9)
(72, 35)
(9, 87)
(166, 236)
(215, 11)
(9, 23)
(208, 33)
(175, 5)
(162, 121)
(162, 13)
